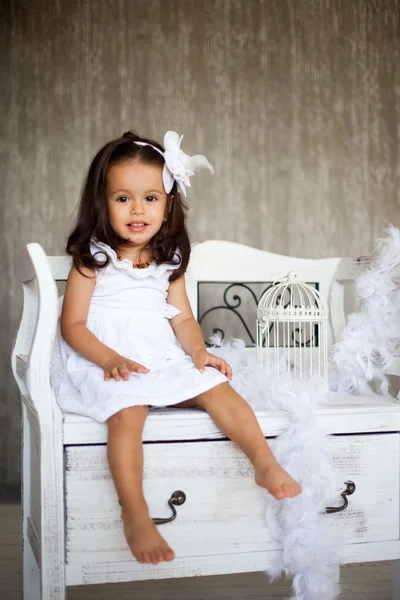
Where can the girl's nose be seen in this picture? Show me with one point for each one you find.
(137, 208)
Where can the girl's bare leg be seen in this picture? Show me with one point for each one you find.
(125, 458)
(234, 417)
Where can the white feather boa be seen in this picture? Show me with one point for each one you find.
(307, 547)
(367, 348)
(368, 343)
(296, 523)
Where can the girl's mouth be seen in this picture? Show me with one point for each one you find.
(136, 227)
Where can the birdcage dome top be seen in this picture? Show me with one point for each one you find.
(289, 299)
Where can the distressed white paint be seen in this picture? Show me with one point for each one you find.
(239, 562)
(213, 473)
(341, 414)
(218, 482)
(31, 580)
(338, 414)
(43, 502)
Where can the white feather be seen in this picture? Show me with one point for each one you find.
(370, 338)
(359, 360)
(302, 450)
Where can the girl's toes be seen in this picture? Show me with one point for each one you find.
(291, 489)
(153, 557)
(146, 557)
(296, 489)
(158, 555)
(279, 493)
(169, 555)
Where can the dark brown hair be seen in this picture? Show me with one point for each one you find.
(170, 245)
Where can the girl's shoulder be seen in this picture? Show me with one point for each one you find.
(102, 251)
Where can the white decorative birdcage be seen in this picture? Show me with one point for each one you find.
(292, 330)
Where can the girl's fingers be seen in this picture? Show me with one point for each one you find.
(226, 370)
(199, 364)
(229, 372)
(224, 367)
(123, 371)
(137, 368)
(221, 365)
(115, 373)
(213, 361)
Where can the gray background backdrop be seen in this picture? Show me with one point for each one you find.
(296, 103)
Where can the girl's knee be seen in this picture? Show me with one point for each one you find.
(130, 415)
(211, 395)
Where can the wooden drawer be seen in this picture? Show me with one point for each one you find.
(372, 461)
(225, 511)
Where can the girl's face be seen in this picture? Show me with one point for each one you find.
(137, 202)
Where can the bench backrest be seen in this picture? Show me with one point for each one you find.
(211, 262)
(240, 274)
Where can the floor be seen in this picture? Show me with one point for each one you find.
(367, 581)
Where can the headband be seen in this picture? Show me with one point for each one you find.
(178, 165)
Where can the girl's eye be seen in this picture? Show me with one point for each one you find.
(122, 199)
(151, 198)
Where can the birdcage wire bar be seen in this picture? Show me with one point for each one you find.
(297, 316)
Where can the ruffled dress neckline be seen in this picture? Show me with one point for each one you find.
(126, 265)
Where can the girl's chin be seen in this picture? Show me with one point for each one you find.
(137, 240)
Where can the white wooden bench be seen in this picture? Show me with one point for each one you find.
(72, 533)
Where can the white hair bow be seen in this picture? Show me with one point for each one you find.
(178, 165)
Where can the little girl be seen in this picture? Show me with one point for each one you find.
(129, 340)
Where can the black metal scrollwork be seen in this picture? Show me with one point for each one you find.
(232, 306)
(234, 303)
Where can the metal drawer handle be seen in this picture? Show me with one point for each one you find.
(177, 498)
(350, 489)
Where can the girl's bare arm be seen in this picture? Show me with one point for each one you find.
(189, 333)
(185, 326)
(78, 293)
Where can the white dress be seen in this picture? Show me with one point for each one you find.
(129, 313)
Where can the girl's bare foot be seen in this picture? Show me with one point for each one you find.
(144, 540)
(270, 475)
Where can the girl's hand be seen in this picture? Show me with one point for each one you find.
(118, 367)
(201, 358)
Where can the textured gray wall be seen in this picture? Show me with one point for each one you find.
(295, 102)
